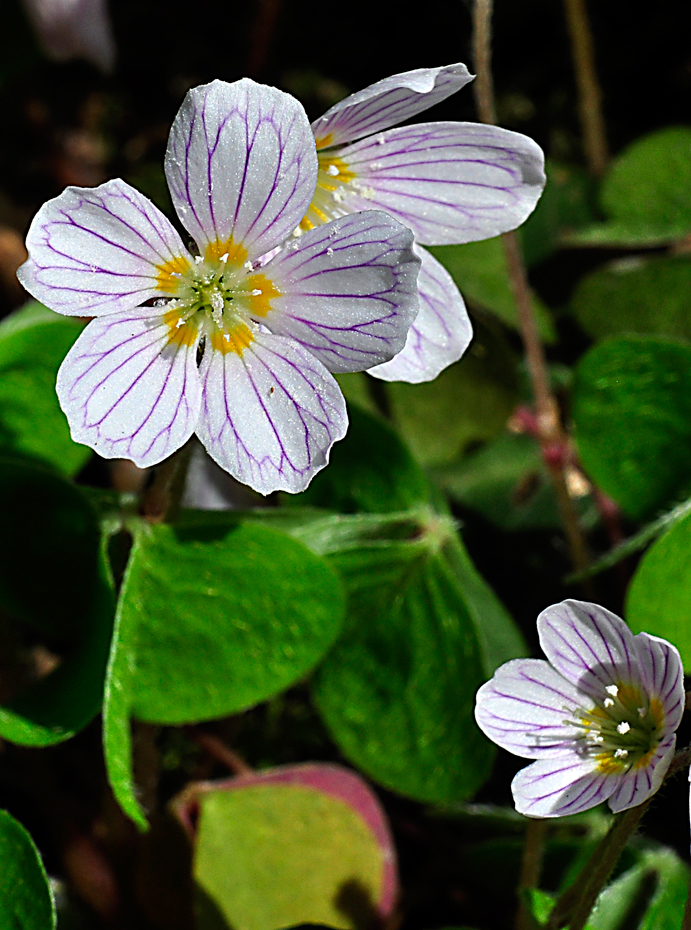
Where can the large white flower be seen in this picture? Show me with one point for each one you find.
(449, 182)
(221, 343)
(599, 717)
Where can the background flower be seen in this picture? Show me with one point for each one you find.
(449, 182)
(599, 717)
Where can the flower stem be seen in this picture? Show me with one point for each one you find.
(531, 868)
(550, 433)
(162, 497)
(589, 92)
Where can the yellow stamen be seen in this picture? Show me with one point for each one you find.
(235, 340)
(235, 251)
(324, 142)
(260, 303)
(181, 333)
(170, 273)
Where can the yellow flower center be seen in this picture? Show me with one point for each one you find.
(215, 297)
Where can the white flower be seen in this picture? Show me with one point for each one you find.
(449, 182)
(599, 717)
(74, 29)
(222, 343)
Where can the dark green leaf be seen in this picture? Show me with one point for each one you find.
(632, 413)
(33, 343)
(646, 193)
(25, 899)
(54, 577)
(397, 691)
(658, 599)
(469, 402)
(636, 296)
(212, 619)
(481, 273)
(371, 470)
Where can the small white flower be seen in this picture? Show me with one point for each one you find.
(599, 717)
(449, 182)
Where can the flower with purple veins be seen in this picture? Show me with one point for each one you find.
(450, 182)
(223, 342)
(599, 717)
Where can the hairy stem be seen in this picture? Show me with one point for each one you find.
(162, 497)
(589, 92)
(551, 436)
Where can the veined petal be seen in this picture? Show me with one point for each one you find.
(662, 673)
(241, 165)
(348, 290)
(130, 388)
(440, 333)
(560, 786)
(448, 182)
(639, 783)
(270, 412)
(388, 102)
(588, 645)
(99, 250)
(527, 707)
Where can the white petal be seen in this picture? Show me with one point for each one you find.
(561, 786)
(349, 291)
(270, 414)
(127, 391)
(589, 645)
(527, 709)
(388, 102)
(98, 250)
(449, 182)
(441, 332)
(663, 675)
(637, 785)
(241, 162)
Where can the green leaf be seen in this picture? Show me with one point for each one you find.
(507, 482)
(632, 415)
(25, 899)
(33, 343)
(398, 689)
(371, 470)
(273, 855)
(647, 192)
(636, 295)
(212, 619)
(658, 598)
(567, 203)
(53, 527)
(665, 909)
(468, 402)
(481, 273)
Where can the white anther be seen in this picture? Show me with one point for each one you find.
(337, 196)
(216, 300)
(226, 336)
(248, 265)
(333, 171)
(198, 259)
(256, 292)
(608, 702)
(297, 232)
(621, 753)
(179, 323)
(612, 689)
(160, 302)
(224, 258)
(623, 727)
(381, 140)
(329, 252)
(641, 712)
